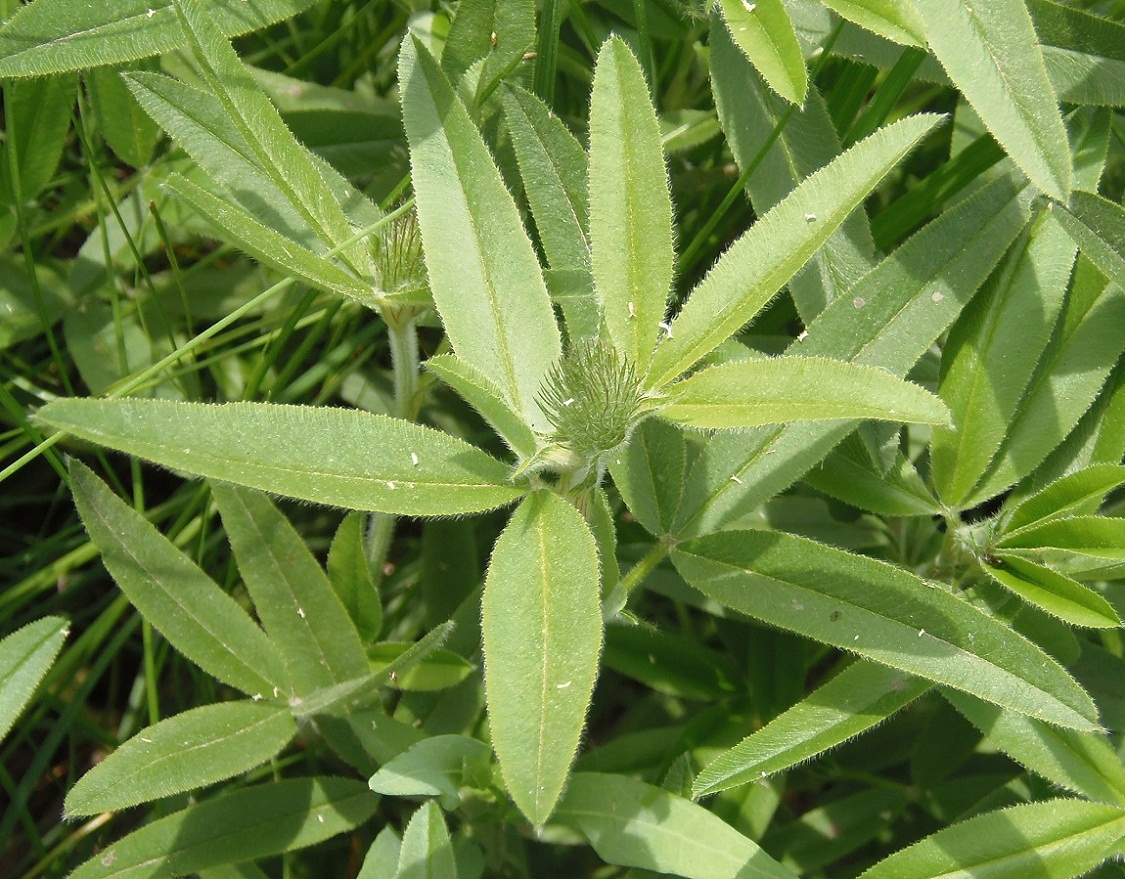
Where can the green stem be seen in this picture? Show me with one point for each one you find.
(644, 567)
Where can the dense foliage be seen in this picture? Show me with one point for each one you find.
(590, 438)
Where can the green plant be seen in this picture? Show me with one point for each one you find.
(975, 542)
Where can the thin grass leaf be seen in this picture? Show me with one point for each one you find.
(992, 53)
(1054, 839)
(199, 747)
(275, 150)
(884, 614)
(542, 627)
(858, 698)
(764, 33)
(807, 142)
(485, 277)
(633, 824)
(484, 396)
(1097, 225)
(426, 851)
(1082, 762)
(892, 19)
(630, 206)
(757, 265)
(888, 320)
(291, 593)
(25, 657)
(185, 605)
(255, 822)
(1064, 495)
(1053, 592)
(340, 457)
(238, 227)
(779, 389)
(53, 36)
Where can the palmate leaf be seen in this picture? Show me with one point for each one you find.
(291, 593)
(435, 766)
(630, 207)
(340, 457)
(496, 33)
(1055, 839)
(885, 614)
(1082, 762)
(542, 628)
(1098, 536)
(351, 577)
(255, 822)
(774, 390)
(52, 36)
(185, 605)
(887, 320)
(992, 54)
(128, 130)
(193, 749)
(649, 473)
(633, 824)
(861, 696)
(25, 657)
(1064, 495)
(486, 280)
(764, 33)
(757, 265)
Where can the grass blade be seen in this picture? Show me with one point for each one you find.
(340, 457)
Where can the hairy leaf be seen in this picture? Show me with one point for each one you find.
(339, 457)
(255, 822)
(542, 629)
(649, 473)
(893, 19)
(858, 698)
(1053, 592)
(51, 36)
(992, 53)
(1065, 494)
(1055, 838)
(193, 749)
(630, 208)
(436, 766)
(633, 824)
(885, 614)
(426, 851)
(763, 31)
(185, 605)
(774, 390)
(25, 657)
(291, 593)
(1097, 225)
(778, 245)
(485, 277)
